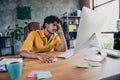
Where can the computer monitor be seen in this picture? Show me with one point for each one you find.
(91, 22)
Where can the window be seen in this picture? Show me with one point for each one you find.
(110, 9)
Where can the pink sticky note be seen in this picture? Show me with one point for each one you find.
(33, 74)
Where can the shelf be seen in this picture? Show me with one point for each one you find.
(71, 31)
(74, 24)
(71, 24)
(71, 39)
(6, 46)
(71, 17)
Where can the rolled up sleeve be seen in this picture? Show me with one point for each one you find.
(28, 43)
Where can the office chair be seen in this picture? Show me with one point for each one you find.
(32, 26)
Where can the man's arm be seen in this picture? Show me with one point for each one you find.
(28, 54)
(61, 34)
(43, 57)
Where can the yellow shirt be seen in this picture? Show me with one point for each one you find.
(37, 42)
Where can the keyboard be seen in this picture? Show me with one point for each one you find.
(96, 58)
(66, 55)
(113, 53)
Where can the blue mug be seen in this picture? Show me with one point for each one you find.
(14, 69)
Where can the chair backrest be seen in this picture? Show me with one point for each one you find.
(32, 26)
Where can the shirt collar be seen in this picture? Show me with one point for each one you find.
(43, 34)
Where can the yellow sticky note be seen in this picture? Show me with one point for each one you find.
(83, 65)
(95, 64)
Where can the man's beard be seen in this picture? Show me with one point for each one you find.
(50, 32)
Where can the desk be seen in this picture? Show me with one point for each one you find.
(65, 69)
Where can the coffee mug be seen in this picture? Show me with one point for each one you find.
(14, 69)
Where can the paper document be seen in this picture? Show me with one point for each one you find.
(5, 60)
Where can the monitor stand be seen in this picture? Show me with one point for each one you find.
(95, 57)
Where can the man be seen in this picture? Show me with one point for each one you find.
(41, 42)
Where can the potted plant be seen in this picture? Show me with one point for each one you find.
(17, 35)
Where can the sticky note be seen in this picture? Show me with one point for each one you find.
(33, 74)
(83, 65)
(43, 74)
(95, 64)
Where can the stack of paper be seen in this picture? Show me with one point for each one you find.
(5, 60)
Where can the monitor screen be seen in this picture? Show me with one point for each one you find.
(91, 22)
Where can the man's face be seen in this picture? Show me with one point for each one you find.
(52, 27)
